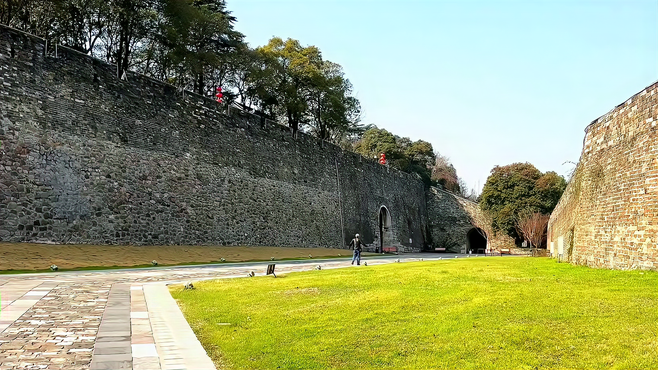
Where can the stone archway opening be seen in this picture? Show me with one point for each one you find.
(476, 240)
(384, 227)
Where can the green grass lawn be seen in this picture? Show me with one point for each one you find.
(476, 313)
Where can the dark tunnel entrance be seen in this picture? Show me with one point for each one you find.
(476, 241)
(384, 228)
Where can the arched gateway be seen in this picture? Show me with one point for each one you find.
(476, 241)
(384, 227)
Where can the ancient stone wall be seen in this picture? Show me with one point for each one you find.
(89, 158)
(608, 215)
(452, 218)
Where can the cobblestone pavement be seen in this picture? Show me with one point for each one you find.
(119, 319)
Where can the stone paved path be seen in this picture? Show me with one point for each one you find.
(118, 319)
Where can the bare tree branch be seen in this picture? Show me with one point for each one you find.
(533, 227)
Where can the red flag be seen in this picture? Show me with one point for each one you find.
(219, 95)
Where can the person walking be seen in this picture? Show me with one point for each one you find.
(357, 245)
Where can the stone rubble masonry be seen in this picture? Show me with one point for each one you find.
(89, 158)
(608, 215)
(451, 218)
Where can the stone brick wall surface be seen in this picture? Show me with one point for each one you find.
(451, 218)
(608, 215)
(89, 158)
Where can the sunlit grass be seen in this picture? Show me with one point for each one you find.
(476, 313)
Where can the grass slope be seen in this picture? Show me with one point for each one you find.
(476, 313)
(30, 257)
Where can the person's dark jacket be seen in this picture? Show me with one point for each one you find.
(356, 244)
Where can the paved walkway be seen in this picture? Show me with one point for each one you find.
(119, 319)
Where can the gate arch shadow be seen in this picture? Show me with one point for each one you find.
(385, 223)
(476, 241)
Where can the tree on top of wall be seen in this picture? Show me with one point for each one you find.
(293, 68)
(198, 38)
(445, 174)
(333, 111)
(416, 157)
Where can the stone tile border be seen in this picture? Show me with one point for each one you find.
(113, 348)
(145, 353)
(175, 341)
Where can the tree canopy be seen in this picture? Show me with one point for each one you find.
(297, 85)
(445, 174)
(516, 190)
(410, 156)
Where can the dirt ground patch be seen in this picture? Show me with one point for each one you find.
(28, 256)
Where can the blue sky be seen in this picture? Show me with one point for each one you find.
(486, 82)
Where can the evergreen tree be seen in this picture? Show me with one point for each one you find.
(518, 189)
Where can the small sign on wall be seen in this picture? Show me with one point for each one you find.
(410, 241)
